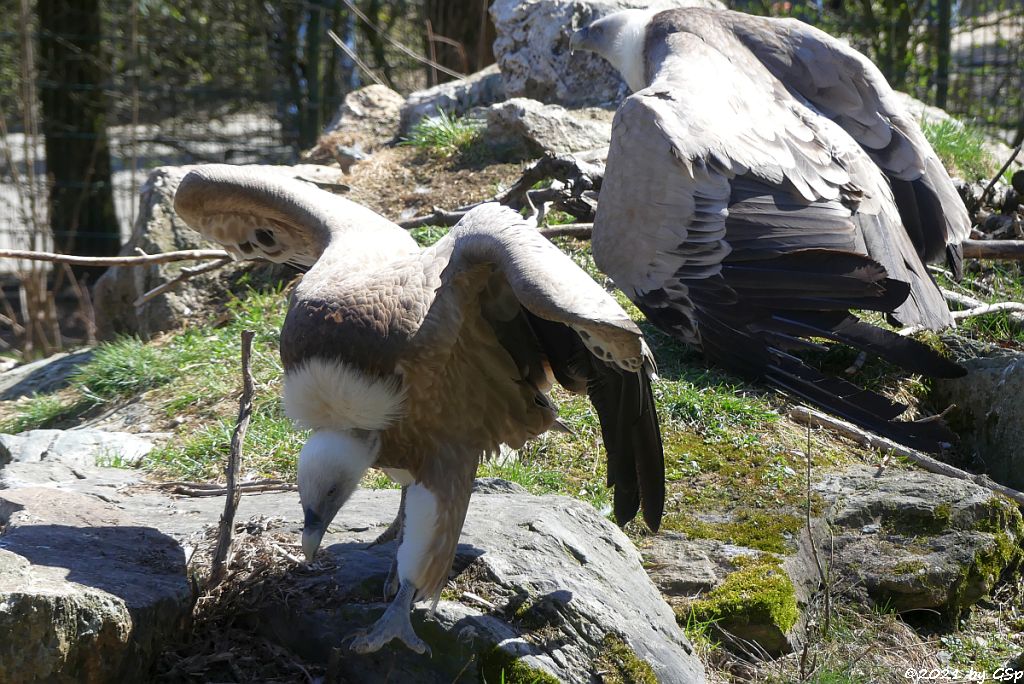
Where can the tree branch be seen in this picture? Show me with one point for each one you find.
(1008, 250)
(185, 274)
(141, 260)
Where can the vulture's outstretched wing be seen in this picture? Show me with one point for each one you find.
(742, 222)
(845, 86)
(262, 215)
(588, 341)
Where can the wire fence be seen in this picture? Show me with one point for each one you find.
(189, 81)
(254, 81)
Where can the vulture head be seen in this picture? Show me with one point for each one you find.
(619, 38)
(330, 466)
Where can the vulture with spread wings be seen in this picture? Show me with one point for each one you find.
(761, 182)
(422, 362)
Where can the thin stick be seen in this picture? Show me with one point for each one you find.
(808, 416)
(580, 231)
(354, 57)
(141, 260)
(185, 274)
(999, 174)
(971, 313)
(227, 519)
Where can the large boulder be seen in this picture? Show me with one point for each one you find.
(532, 128)
(454, 98)
(366, 121)
(532, 49)
(545, 586)
(990, 413)
(915, 540)
(159, 229)
(63, 457)
(86, 594)
(93, 585)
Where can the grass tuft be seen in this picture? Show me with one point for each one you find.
(443, 135)
(961, 148)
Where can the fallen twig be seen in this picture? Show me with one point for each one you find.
(980, 310)
(999, 174)
(581, 231)
(807, 416)
(140, 260)
(200, 489)
(438, 217)
(220, 556)
(995, 250)
(185, 274)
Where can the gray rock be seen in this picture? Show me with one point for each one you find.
(86, 594)
(989, 408)
(367, 120)
(532, 49)
(64, 457)
(532, 128)
(685, 568)
(158, 229)
(454, 98)
(921, 111)
(556, 580)
(560, 579)
(42, 376)
(936, 543)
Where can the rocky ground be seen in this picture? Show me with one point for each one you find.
(787, 554)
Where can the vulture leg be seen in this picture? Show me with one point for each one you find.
(394, 530)
(393, 624)
(435, 509)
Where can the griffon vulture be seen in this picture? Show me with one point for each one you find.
(761, 182)
(422, 362)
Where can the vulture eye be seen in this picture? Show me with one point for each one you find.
(332, 491)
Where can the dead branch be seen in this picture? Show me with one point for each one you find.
(999, 174)
(1015, 319)
(204, 489)
(807, 416)
(996, 250)
(227, 519)
(437, 217)
(141, 260)
(580, 231)
(980, 310)
(185, 274)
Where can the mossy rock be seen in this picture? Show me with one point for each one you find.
(619, 664)
(498, 666)
(755, 603)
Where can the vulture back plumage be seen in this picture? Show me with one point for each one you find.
(763, 183)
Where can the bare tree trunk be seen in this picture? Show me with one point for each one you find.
(468, 25)
(72, 74)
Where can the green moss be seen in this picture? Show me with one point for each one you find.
(908, 567)
(498, 666)
(619, 664)
(987, 567)
(755, 529)
(758, 593)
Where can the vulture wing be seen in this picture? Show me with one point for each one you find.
(845, 86)
(281, 219)
(739, 220)
(544, 300)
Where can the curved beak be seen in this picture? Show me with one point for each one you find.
(313, 529)
(578, 41)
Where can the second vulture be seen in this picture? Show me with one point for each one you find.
(423, 362)
(767, 182)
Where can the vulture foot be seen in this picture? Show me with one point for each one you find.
(393, 624)
(391, 583)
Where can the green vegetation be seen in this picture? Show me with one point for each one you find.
(498, 666)
(759, 592)
(443, 135)
(773, 531)
(961, 148)
(428, 235)
(621, 665)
